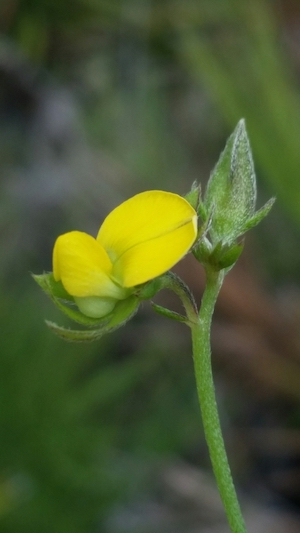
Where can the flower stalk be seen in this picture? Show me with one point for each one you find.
(207, 400)
(174, 283)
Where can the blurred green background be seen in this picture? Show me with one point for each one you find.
(99, 100)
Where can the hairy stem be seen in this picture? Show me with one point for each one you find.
(208, 405)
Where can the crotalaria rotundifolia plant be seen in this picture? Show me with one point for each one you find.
(100, 282)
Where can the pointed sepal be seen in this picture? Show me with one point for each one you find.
(72, 335)
(62, 300)
(169, 314)
(194, 195)
(124, 311)
(259, 215)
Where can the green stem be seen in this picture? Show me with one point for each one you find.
(208, 405)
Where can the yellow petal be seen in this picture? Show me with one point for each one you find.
(147, 235)
(152, 258)
(83, 266)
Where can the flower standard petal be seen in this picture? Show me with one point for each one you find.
(152, 258)
(83, 266)
(147, 235)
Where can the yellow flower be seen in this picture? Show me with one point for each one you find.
(139, 240)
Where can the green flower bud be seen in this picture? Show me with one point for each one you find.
(228, 208)
(231, 191)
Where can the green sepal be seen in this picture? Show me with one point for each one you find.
(225, 256)
(220, 257)
(150, 289)
(63, 300)
(51, 287)
(202, 251)
(73, 335)
(124, 311)
(194, 195)
(259, 215)
(169, 314)
(202, 212)
(194, 198)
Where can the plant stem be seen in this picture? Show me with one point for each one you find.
(208, 405)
